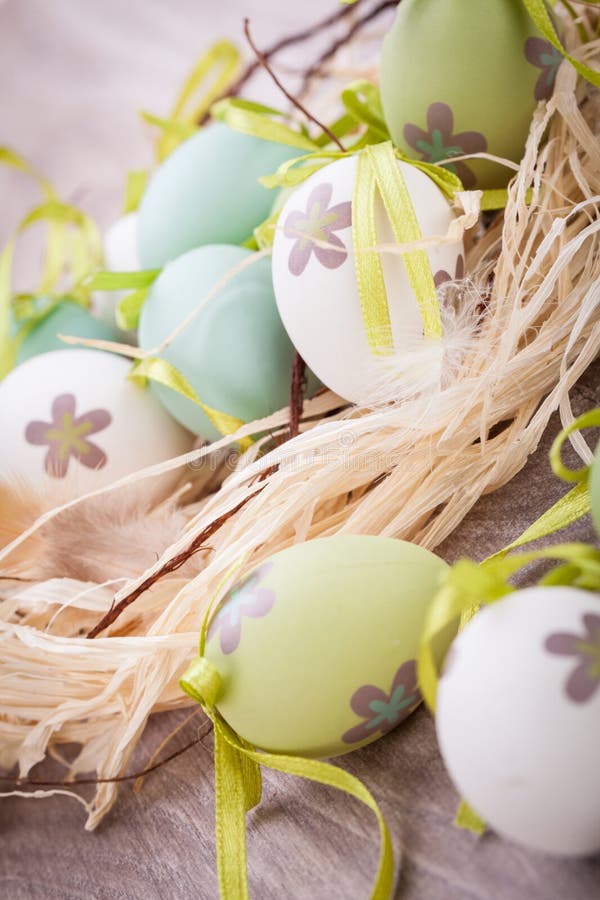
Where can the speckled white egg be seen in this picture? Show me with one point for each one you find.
(518, 718)
(315, 282)
(120, 250)
(73, 418)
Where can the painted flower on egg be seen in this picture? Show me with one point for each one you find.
(584, 680)
(66, 436)
(542, 54)
(247, 598)
(442, 276)
(382, 712)
(316, 226)
(439, 143)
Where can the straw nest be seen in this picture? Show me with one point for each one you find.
(519, 331)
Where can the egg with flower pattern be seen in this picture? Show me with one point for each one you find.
(315, 278)
(71, 419)
(316, 647)
(433, 51)
(518, 717)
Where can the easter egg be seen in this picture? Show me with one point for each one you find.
(207, 192)
(67, 318)
(120, 250)
(316, 285)
(235, 352)
(460, 78)
(595, 489)
(73, 417)
(518, 718)
(316, 647)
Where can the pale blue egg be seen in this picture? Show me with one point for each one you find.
(207, 192)
(235, 353)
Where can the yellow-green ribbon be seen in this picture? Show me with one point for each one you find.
(540, 15)
(469, 585)
(135, 186)
(378, 174)
(237, 788)
(219, 66)
(159, 370)
(73, 245)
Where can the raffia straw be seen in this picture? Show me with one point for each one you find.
(410, 464)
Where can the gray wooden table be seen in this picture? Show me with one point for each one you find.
(72, 74)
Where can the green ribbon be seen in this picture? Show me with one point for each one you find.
(468, 585)
(238, 787)
(73, 245)
(219, 66)
(159, 370)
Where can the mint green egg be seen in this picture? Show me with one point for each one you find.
(595, 489)
(68, 318)
(207, 192)
(460, 77)
(316, 648)
(235, 353)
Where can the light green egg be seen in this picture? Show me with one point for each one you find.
(316, 648)
(595, 489)
(460, 77)
(235, 353)
(68, 318)
(207, 192)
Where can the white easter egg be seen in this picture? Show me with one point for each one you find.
(73, 418)
(120, 251)
(315, 277)
(518, 718)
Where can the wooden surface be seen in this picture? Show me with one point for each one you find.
(72, 75)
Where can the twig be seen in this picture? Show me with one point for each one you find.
(171, 566)
(297, 394)
(290, 40)
(264, 63)
(337, 44)
(35, 782)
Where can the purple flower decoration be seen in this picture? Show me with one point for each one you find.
(382, 712)
(439, 143)
(318, 223)
(67, 435)
(584, 680)
(246, 598)
(544, 56)
(441, 276)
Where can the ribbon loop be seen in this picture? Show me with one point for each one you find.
(202, 682)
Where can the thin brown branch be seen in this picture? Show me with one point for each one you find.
(293, 100)
(298, 37)
(297, 394)
(40, 782)
(169, 567)
(340, 42)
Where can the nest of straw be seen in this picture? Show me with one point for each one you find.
(520, 330)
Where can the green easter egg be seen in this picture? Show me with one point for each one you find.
(235, 353)
(459, 77)
(595, 489)
(317, 647)
(68, 318)
(207, 192)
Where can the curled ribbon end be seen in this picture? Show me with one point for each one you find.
(202, 682)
